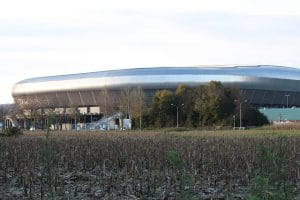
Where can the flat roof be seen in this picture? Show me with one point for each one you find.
(278, 114)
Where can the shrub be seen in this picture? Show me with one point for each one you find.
(175, 159)
(13, 131)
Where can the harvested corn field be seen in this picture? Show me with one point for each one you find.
(151, 165)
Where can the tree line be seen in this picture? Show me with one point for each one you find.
(204, 106)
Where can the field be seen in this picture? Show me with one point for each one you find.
(162, 164)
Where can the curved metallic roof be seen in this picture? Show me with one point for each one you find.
(264, 77)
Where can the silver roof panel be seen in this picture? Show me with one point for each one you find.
(265, 77)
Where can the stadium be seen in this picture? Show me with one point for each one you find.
(262, 85)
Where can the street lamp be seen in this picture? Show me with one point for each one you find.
(233, 122)
(287, 100)
(177, 115)
(241, 102)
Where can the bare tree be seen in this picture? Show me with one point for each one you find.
(125, 101)
(74, 113)
(108, 102)
(4, 110)
(131, 103)
(105, 103)
(139, 104)
(29, 108)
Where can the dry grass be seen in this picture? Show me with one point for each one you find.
(131, 165)
(269, 131)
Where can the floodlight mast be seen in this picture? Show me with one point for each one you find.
(233, 122)
(287, 100)
(241, 102)
(177, 113)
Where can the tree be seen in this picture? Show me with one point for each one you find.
(214, 102)
(132, 104)
(251, 116)
(6, 109)
(31, 109)
(185, 96)
(139, 104)
(74, 113)
(162, 112)
(125, 101)
(51, 119)
(109, 102)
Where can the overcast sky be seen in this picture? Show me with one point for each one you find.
(49, 37)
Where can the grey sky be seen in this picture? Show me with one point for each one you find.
(40, 38)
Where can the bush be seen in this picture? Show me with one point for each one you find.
(13, 131)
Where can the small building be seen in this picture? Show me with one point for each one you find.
(282, 115)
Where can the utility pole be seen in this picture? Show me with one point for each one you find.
(177, 113)
(233, 122)
(241, 102)
(287, 100)
(241, 116)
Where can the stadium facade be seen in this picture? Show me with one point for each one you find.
(263, 86)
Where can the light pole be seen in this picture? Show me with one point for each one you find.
(287, 100)
(241, 102)
(177, 113)
(233, 122)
